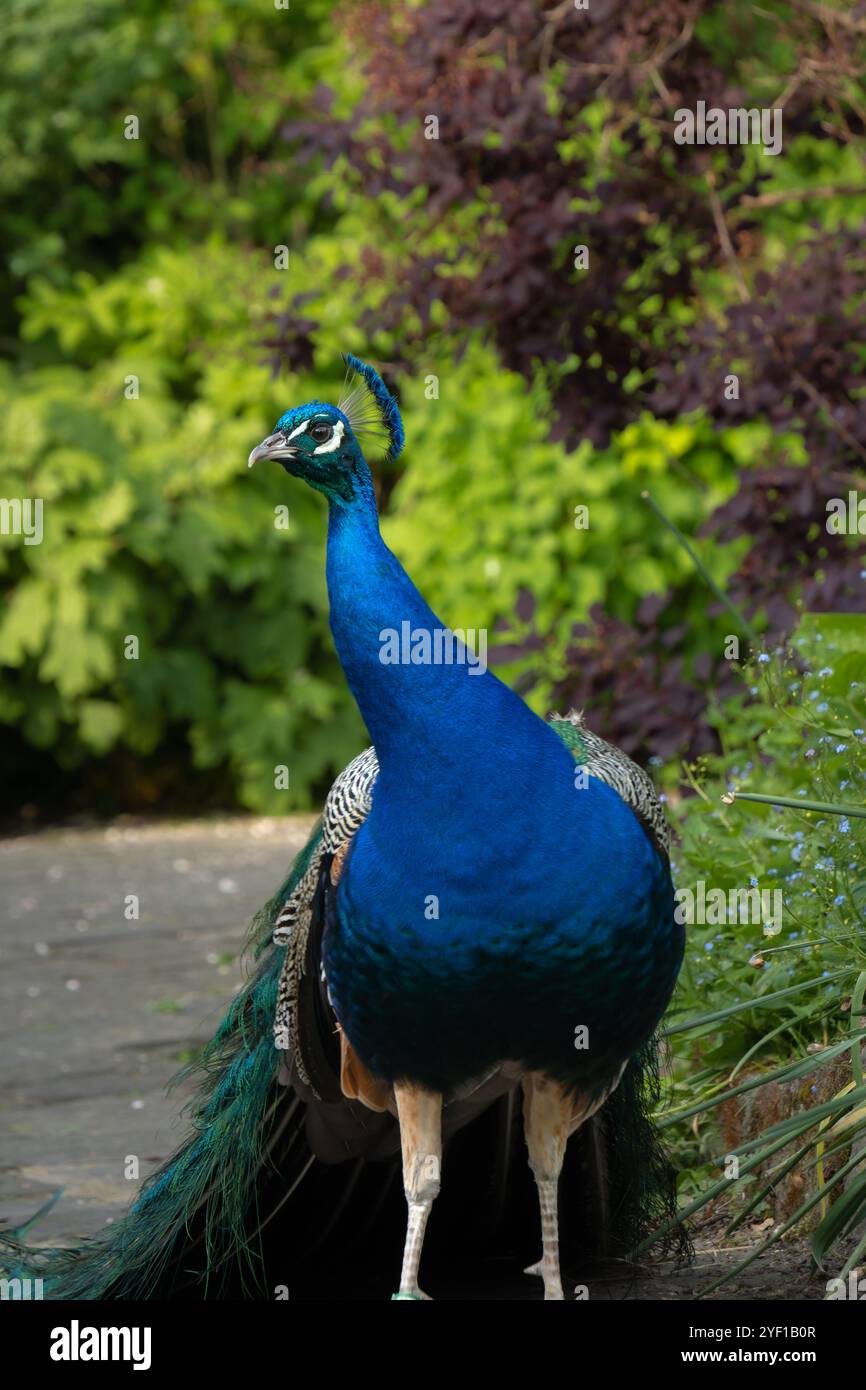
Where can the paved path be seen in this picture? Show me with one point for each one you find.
(97, 1011)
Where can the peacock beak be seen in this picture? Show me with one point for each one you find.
(267, 448)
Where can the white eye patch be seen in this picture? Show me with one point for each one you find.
(299, 430)
(334, 442)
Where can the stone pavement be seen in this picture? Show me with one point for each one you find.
(98, 1010)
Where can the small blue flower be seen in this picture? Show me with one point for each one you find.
(763, 658)
(840, 747)
(838, 900)
(709, 945)
(844, 825)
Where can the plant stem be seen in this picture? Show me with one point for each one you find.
(702, 570)
(856, 1006)
(836, 808)
(758, 1002)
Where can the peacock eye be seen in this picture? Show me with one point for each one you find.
(321, 431)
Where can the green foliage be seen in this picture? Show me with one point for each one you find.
(798, 730)
(155, 530)
(153, 258)
(754, 994)
(483, 450)
(207, 81)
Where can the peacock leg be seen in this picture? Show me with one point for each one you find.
(420, 1115)
(548, 1119)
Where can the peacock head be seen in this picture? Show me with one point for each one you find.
(321, 443)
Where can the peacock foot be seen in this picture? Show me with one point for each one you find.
(552, 1282)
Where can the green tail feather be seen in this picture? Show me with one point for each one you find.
(212, 1177)
(641, 1177)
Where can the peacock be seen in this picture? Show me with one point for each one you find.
(480, 932)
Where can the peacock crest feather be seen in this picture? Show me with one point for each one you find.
(370, 408)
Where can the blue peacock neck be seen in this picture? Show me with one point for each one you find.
(432, 721)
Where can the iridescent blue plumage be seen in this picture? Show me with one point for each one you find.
(554, 908)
